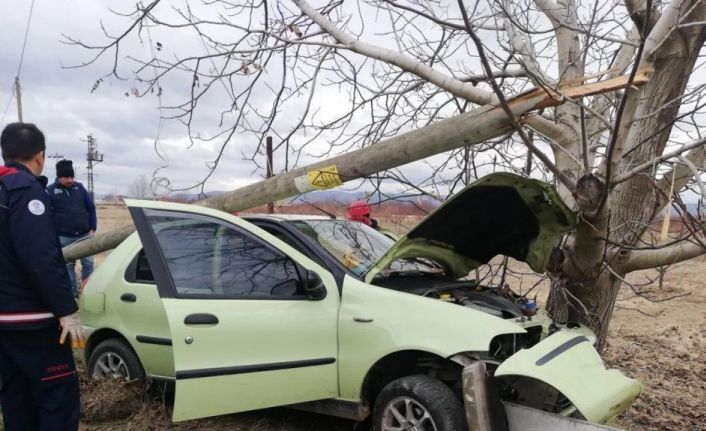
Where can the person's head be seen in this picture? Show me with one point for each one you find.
(359, 211)
(65, 172)
(23, 143)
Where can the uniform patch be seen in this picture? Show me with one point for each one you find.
(57, 191)
(36, 207)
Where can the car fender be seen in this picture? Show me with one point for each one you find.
(567, 361)
(375, 322)
(100, 302)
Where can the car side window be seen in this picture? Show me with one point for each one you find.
(139, 271)
(287, 239)
(211, 259)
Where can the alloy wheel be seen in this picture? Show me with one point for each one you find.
(111, 366)
(406, 414)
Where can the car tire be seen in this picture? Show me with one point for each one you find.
(427, 401)
(115, 359)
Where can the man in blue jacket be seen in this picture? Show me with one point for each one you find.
(38, 313)
(74, 216)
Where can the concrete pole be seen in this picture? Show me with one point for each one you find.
(270, 171)
(18, 95)
(466, 129)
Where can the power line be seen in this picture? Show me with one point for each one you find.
(17, 88)
(24, 43)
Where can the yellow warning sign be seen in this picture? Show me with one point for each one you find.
(324, 178)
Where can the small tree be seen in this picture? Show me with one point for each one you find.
(140, 188)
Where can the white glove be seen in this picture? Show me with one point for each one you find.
(71, 326)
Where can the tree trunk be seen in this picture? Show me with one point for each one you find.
(586, 285)
(589, 302)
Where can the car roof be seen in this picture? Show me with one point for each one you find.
(284, 217)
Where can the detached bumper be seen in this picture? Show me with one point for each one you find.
(567, 361)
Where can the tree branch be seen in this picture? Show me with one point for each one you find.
(663, 28)
(448, 83)
(645, 259)
(682, 175)
(558, 174)
(622, 61)
(525, 49)
(651, 163)
(695, 173)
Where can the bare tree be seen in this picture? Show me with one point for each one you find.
(140, 188)
(394, 66)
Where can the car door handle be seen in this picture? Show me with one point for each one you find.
(201, 319)
(128, 297)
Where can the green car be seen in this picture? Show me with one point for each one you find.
(332, 316)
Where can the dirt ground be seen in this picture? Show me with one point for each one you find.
(665, 349)
(661, 342)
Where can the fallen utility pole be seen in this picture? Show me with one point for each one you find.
(466, 129)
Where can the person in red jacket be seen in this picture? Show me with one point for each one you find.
(39, 319)
(360, 211)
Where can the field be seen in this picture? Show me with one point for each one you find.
(661, 342)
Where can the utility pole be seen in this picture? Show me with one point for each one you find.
(92, 157)
(18, 94)
(270, 171)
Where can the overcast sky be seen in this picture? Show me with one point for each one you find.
(60, 102)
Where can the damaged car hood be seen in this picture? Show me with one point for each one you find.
(500, 213)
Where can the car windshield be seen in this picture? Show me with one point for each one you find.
(356, 245)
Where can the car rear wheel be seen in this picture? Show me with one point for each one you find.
(418, 403)
(115, 359)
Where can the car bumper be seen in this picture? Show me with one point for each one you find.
(567, 361)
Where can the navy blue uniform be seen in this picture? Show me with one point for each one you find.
(72, 208)
(40, 386)
(74, 215)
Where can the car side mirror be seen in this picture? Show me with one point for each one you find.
(314, 286)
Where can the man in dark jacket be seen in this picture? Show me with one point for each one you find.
(74, 216)
(38, 314)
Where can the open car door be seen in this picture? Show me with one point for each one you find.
(252, 320)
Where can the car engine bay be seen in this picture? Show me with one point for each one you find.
(499, 302)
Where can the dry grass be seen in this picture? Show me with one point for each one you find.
(109, 400)
(111, 405)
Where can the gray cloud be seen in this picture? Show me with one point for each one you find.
(59, 101)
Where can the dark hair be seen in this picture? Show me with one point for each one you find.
(21, 141)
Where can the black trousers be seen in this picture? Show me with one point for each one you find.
(39, 382)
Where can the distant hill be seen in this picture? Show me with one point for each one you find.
(341, 196)
(345, 197)
(691, 207)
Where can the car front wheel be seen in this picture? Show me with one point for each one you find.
(418, 403)
(115, 359)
